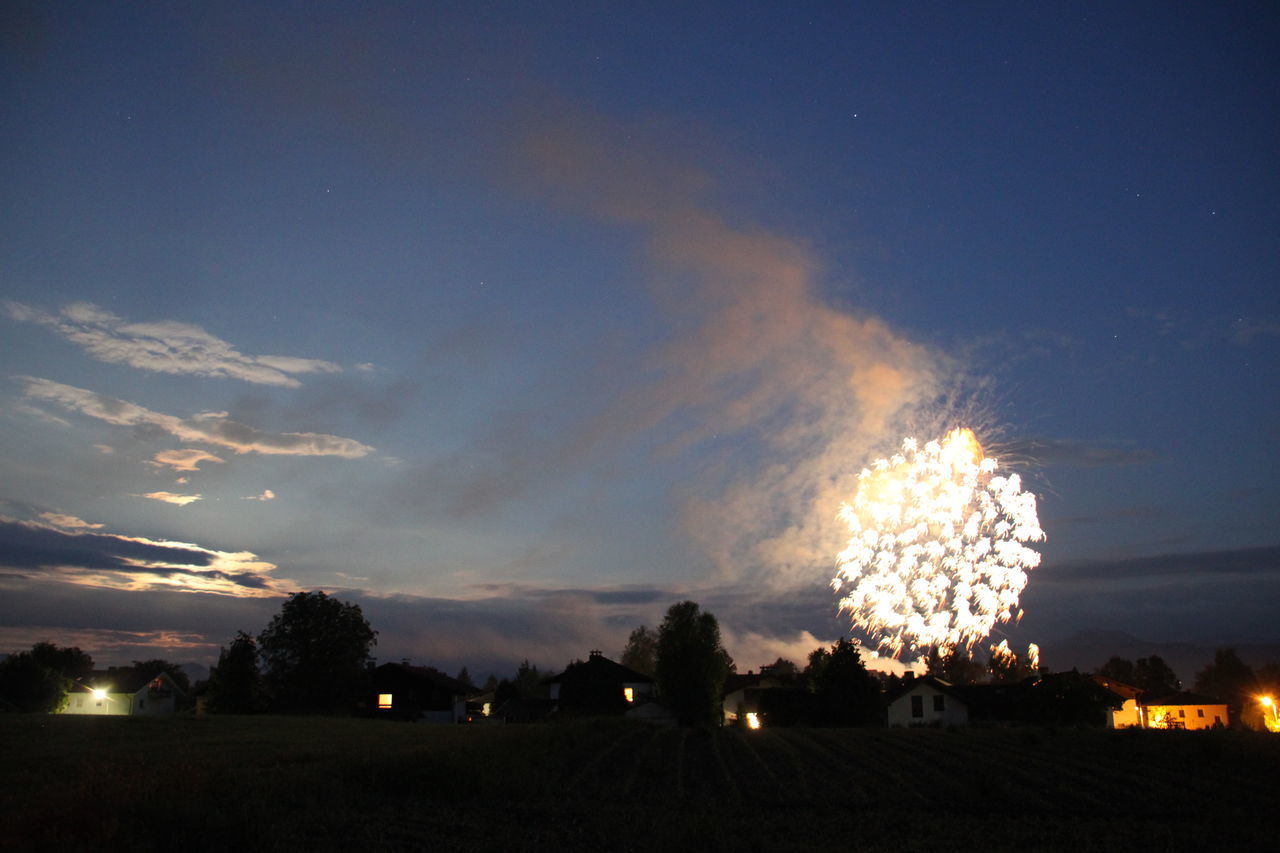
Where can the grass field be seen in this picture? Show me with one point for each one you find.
(264, 783)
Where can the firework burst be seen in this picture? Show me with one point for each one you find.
(936, 554)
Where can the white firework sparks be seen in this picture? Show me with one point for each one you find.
(936, 554)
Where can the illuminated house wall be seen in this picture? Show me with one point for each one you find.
(1128, 715)
(124, 694)
(927, 701)
(1185, 711)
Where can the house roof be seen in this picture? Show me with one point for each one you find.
(125, 680)
(743, 681)
(599, 669)
(1125, 691)
(944, 687)
(1183, 698)
(430, 676)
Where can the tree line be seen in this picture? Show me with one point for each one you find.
(315, 657)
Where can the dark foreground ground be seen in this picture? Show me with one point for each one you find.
(273, 783)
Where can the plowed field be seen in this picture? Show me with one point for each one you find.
(270, 783)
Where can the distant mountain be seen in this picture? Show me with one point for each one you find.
(1088, 650)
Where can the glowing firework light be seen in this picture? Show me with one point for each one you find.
(936, 555)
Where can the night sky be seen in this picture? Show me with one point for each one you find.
(517, 323)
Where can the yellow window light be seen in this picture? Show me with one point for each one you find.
(384, 701)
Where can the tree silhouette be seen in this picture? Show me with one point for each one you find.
(150, 669)
(1230, 679)
(234, 683)
(691, 664)
(1119, 669)
(1154, 677)
(314, 654)
(641, 652)
(845, 693)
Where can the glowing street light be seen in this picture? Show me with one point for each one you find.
(99, 694)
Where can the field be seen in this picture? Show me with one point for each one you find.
(274, 783)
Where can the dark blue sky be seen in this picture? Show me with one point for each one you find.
(536, 319)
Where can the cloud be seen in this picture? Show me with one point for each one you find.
(1204, 566)
(207, 428)
(166, 346)
(267, 495)
(799, 392)
(68, 522)
(183, 460)
(1245, 330)
(1071, 452)
(171, 498)
(41, 550)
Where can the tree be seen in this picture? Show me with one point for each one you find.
(465, 677)
(953, 664)
(528, 682)
(150, 669)
(845, 693)
(39, 680)
(68, 661)
(641, 652)
(1154, 677)
(30, 688)
(781, 668)
(1119, 669)
(691, 664)
(1230, 679)
(314, 654)
(234, 683)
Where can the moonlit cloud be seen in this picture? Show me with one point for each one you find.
(267, 495)
(166, 346)
(183, 460)
(40, 551)
(207, 428)
(171, 498)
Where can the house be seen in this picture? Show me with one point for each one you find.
(418, 693)
(747, 699)
(598, 687)
(124, 692)
(927, 701)
(1129, 714)
(1184, 711)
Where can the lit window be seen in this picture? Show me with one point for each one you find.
(753, 720)
(629, 694)
(384, 700)
(488, 707)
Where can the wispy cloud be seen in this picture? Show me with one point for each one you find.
(267, 495)
(166, 346)
(37, 549)
(212, 428)
(183, 460)
(1076, 453)
(171, 498)
(69, 522)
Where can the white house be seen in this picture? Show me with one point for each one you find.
(123, 692)
(927, 701)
